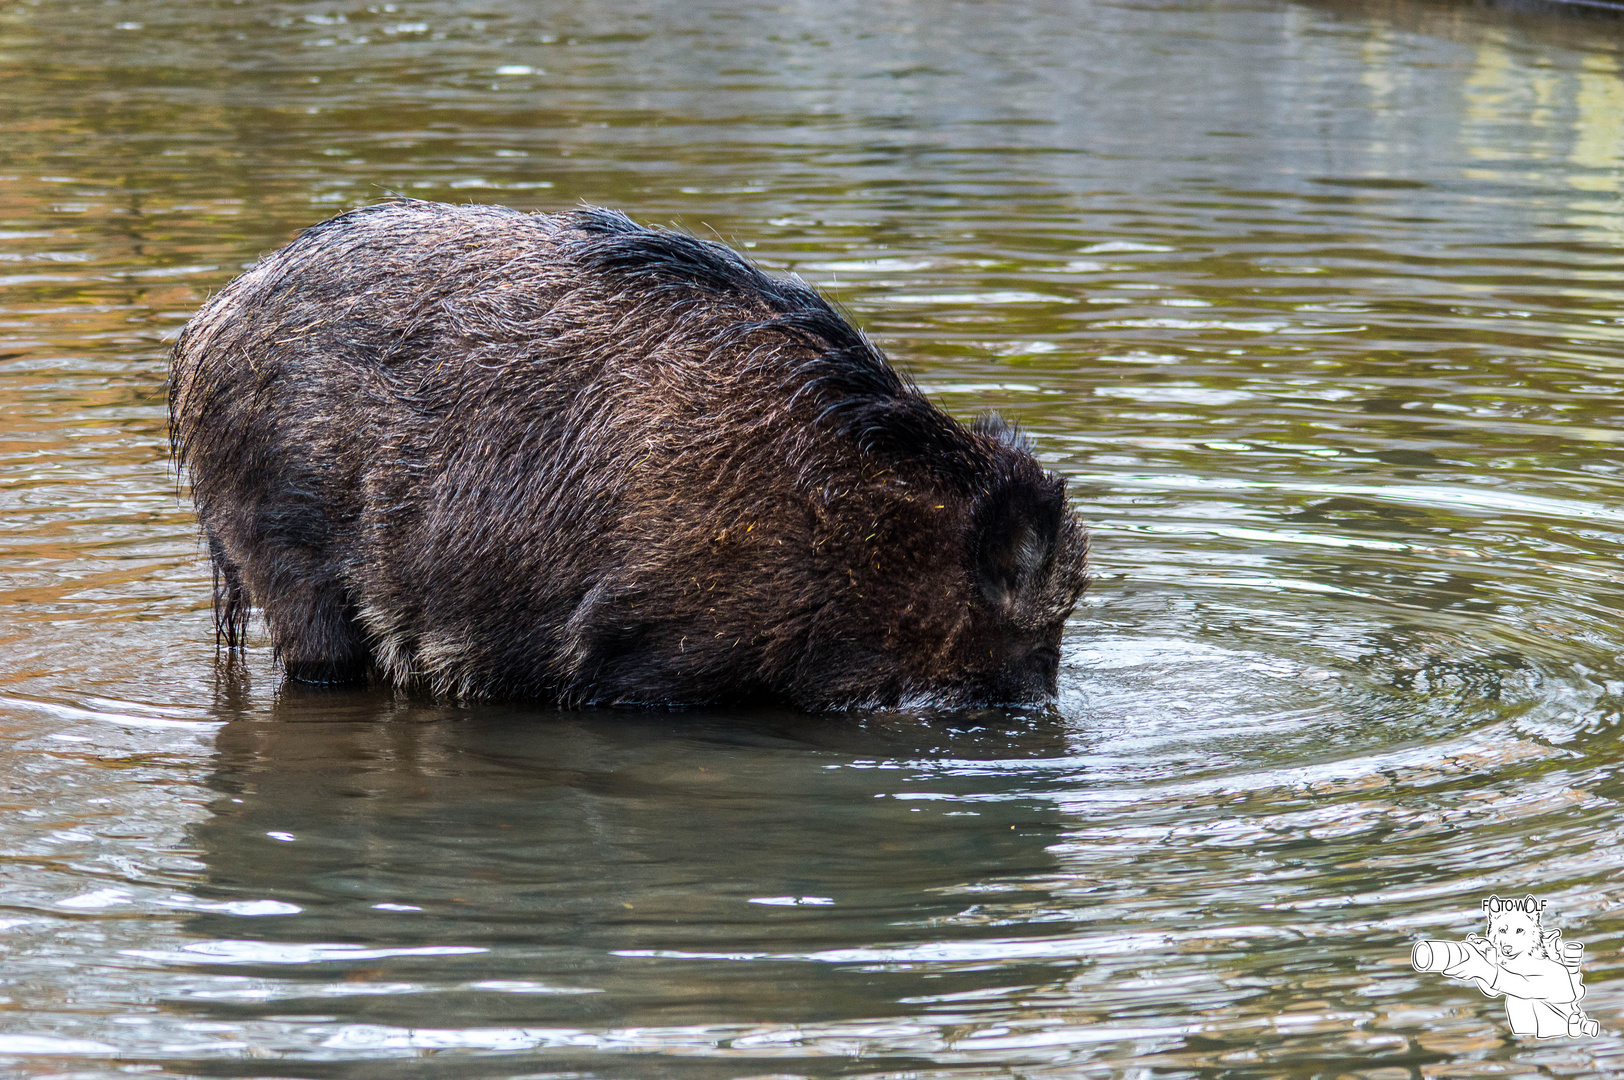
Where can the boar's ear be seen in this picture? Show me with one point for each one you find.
(994, 426)
(1016, 527)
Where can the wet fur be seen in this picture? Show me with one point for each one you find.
(567, 458)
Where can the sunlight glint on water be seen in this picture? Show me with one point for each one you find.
(1316, 305)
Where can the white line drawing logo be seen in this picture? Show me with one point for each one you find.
(1537, 973)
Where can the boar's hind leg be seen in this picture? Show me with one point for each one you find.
(308, 610)
(315, 633)
(231, 601)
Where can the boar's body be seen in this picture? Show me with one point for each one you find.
(567, 458)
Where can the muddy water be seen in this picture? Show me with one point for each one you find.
(1316, 305)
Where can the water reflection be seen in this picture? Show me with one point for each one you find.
(1315, 304)
(600, 869)
(386, 877)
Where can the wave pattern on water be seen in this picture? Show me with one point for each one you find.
(1315, 305)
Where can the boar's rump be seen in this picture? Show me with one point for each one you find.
(492, 454)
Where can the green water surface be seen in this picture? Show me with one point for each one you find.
(1316, 306)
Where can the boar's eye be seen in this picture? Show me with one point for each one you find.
(1045, 663)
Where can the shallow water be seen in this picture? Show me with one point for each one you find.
(1315, 305)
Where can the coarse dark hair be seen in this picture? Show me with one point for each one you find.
(568, 458)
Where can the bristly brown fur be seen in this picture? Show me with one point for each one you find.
(567, 458)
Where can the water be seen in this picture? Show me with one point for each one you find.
(1316, 305)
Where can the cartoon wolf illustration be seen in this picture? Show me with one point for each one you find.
(1536, 972)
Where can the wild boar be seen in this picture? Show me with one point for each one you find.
(490, 454)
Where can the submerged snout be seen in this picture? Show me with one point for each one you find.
(1029, 674)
